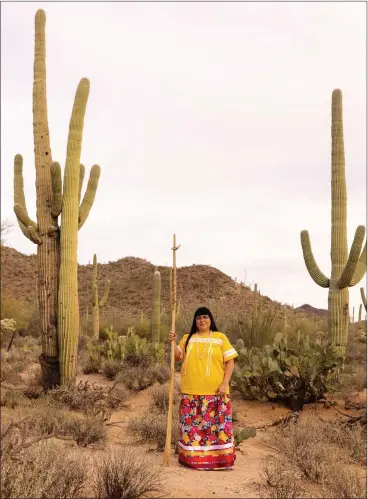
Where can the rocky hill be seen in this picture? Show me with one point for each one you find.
(131, 286)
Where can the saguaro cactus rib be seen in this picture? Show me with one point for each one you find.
(316, 274)
(89, 195)
(344, 269)
(361, 268)
(351, 264)
(364, 299)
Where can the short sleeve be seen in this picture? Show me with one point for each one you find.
(181, 345)
(228, 351)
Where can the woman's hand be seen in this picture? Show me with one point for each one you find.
(222, 389)
(172, 336)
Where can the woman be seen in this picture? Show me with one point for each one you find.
(206, 437)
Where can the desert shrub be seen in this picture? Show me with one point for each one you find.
(344, 483)
(13, 398)
(36, 472)
(19, 310)
(151, 427)
(135, 378)
(45, 420)
(122, 475)
(89, 398)
(280, 481)
(111, 368)
(159, 396)
(278, 372)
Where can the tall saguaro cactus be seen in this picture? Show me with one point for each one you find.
(57, 245)
(346, 270)
(156, 307)
(96, 304)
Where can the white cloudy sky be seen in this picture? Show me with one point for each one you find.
(210, 120)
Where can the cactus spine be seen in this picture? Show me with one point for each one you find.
(346, 270)
(364, 299)
(57, 246)
(96, 304)
(156, 307)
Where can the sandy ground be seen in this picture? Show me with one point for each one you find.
(242, 480)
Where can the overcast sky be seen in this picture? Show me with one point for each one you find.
(232, 100)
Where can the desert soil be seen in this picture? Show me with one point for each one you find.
(242, 480)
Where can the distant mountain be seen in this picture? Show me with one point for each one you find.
(131, 286)
(322, 312)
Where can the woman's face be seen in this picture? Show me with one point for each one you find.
(203, 322)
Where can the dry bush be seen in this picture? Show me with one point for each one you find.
(19, 310)
(344, 483)
(43, 420)
(304, 445)
(122, 475)
(11, 399)
(317, 447)
(90, 398)
(160, 397)
(280, 481)
(111, 368)
(152, 426)
(352, 439)
(136, 378)
(37, 472)
(357, 382)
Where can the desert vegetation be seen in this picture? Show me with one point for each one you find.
(88, 377)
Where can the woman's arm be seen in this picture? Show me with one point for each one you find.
(229, 367)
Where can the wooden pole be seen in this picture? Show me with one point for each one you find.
(167, 452)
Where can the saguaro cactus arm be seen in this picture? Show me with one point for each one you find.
(19, 198)
(351, 265)
(89, 195)
(364, 299)
(82, 171)
(312, 267)
(106, 294)
(22, 215)
(361, 268)
(57, 189)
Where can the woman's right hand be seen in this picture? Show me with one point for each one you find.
(172, 336)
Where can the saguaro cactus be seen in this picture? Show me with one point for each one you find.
(346, 271)
(364, 299)
(57, 245)
(156, 307)
(96, 304)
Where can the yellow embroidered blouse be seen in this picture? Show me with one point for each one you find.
(203, 368)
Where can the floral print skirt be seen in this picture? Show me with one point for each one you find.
(206, 436)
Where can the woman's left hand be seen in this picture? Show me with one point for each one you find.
(222, 389)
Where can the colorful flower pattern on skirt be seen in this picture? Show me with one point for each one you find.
(206, 436)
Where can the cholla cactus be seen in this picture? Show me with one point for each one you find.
(96, 303)
(56, 245)
(346, 270)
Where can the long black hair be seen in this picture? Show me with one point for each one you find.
(194, 329)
